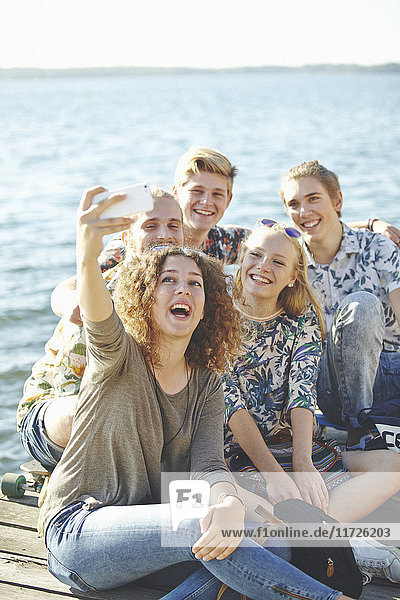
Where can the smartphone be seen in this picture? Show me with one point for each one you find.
(138, 199)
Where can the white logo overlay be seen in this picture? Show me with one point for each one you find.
(390, 435)
(188, 499)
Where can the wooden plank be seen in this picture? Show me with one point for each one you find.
(23, 515)
(23, 570)
(29, 499)
(18, 569)
(20, 572)
(31, 574)
(16, 592)
(22, 541)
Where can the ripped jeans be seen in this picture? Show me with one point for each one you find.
(115, 545)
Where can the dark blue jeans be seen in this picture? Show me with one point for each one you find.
(34, 438)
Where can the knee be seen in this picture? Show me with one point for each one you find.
(385, 461)
(391, 460)
(58, 419)
(190, 526)
(188, 532)
(364, 311)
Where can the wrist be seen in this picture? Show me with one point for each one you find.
(303, 463)
(231, 497)
(371, 223)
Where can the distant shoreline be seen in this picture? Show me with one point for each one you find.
(21, 73)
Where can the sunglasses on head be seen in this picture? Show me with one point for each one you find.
(291, 231)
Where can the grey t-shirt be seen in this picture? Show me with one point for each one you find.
(115, 453)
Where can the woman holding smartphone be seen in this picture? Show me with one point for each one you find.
(151, 402)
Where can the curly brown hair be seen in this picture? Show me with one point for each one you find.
(216, 341)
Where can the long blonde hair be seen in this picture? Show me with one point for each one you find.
(293, 300)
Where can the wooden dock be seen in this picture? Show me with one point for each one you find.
(24, 575)
(23, 566)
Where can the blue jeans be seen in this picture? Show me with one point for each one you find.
(115, 545)
(34, 438)
(354, 372)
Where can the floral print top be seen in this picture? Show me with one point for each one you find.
(367, 262)
(223, 243)
(277, 372)
(59, 372)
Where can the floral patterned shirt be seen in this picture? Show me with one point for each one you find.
(277, 372)
(223, 243)
(59, 372)
(367, 262)
(112, 254)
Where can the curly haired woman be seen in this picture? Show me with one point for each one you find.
(151, 401)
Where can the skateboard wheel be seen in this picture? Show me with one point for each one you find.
(11, 485)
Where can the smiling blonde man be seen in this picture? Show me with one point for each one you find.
(203, 187)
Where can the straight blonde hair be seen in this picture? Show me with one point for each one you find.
(293, 300)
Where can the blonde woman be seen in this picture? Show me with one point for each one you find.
(270, 394)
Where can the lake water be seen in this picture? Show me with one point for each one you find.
(62, 135)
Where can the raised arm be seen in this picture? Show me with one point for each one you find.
(94, 299)
(64, 298)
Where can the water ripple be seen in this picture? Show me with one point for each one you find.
(56, 142)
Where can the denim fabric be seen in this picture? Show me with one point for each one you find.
(114, 545)
(169, 578)
(387, 380)
(203, 585)
(354, 372)
(34, 438)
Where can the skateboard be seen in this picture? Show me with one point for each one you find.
(14, 485)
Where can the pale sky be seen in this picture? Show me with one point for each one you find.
(193, 33)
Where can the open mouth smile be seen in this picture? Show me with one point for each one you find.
(260, 278)
(180, 311)
(311, 224)
(204, 212)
